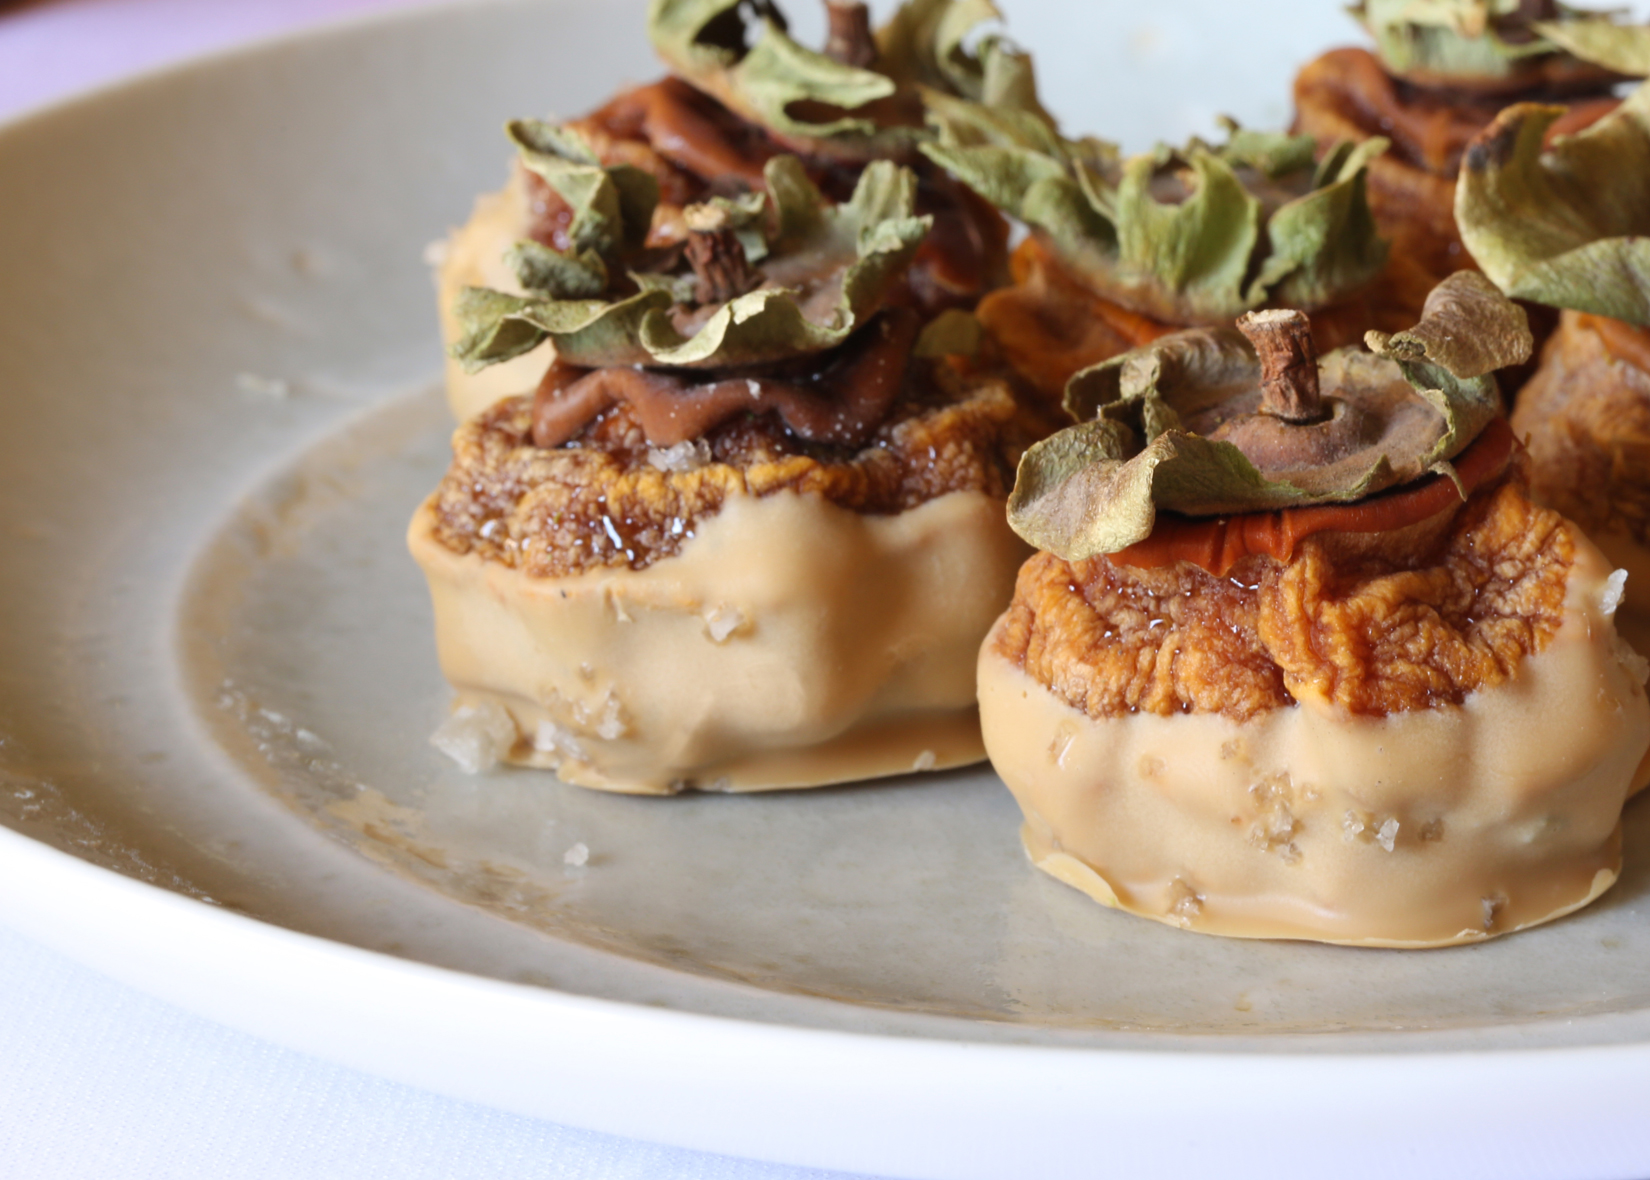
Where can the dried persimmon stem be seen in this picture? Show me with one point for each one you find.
(716, 255)
(850, 41)
(1288, 363)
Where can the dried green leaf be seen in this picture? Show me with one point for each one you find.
(1326, 243)
(827, 271)
(498, 327)
(1487, 40)
(1623, 49)
(1271, 153)
(1198, 235)
(760, 79)
(1467, 327)
(1096, 487)
(798, 206)
(1184, 260)
(1570, 226)
(612, 205)
(561, 276)
(742, 54)
(923, 45)
(1447, 38)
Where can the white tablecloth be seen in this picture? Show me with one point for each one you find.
(100, 1081)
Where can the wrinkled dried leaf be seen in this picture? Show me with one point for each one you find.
(1097, 487)
(1187, 256)
(923, 45)
(840, 262)
(498, 327)
(743, 56)
(581, 275)
(1492, 39)
(760, 72)
(612, 206)
(1447, 38)
(1568, 227)
(1467, 326)
(1624, 49)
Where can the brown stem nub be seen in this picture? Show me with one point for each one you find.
(1288, 363)
(716, 255)
(850, 41)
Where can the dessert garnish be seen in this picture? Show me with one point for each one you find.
(855, 100)
(1217, 421)
(1190, 235)
(1300, 657)
(1567, 225)
(1493, 47)
(763, 277)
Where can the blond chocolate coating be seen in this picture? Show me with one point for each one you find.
(789, 643)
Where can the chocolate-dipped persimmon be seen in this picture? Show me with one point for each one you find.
(748, 532)
(1300, 658)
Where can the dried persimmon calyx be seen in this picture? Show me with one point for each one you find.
(810, 274)
(1499, 44)
(856, 96)
(1194, 423)
(1191, 235)
(1566, 225)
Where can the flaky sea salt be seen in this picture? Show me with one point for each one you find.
(925, 761)
(550, 738)
(1187, 902)
(684, 456)
(476, 736)
(1387, 834)
(723, 621)
(1615, 587)
(577, 856)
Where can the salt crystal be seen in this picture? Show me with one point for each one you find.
(925, 761)
(723, 622)
(610, 724)
(1187, 904)
(550, 738)
(684, 456)
(1387, 834)
(476, 736)
(577, 856)
(1615, 587)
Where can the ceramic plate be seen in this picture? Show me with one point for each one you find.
(217, 683)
